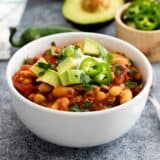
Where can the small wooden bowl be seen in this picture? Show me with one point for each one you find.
(147, 41)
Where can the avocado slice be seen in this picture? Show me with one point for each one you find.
(91, 47)
(69, 51)
(71, 77)
(36, 69)
(66, 64)
(51, 77)
(73, 11)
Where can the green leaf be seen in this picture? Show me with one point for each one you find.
(53, 43)
(131, 84)
(41, 73)
(108, 58)
(87, 105)
(85, 78)
(45, 66)
(105, 55)
(53, 66)
(132, 63)
(50, 52)
(26, 61)
(87, 87)
(86, 82)
(62, 55)
(76, 47)
(77, 51)
(102, 52)
(75, 108)
(118, 71)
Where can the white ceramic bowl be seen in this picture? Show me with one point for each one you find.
(79, 129)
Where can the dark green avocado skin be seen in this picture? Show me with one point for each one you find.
(90, 27)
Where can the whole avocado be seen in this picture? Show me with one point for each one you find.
(90, 12)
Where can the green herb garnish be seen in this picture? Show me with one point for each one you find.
(87, 105)
(41, 73)
(105, 55)
(131, 84)
(86, 80)
(118, 71)
(87, 87)
(75, 108)
(26, 61)
(109, 58)
(44, 66)
(77, 50)
(50, 52)
(61, 56)
(53, 43)
(76, 47)
(102, 52)
(132, 63)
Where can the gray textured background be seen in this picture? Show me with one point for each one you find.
(142, 142)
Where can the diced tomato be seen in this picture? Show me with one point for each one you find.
(26, 67)
(121, 78)
(58, 49)
(52, 60)
(24, 89)
(49, 58)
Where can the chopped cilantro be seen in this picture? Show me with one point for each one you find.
(133, 72)
(88, 105)
(102, 52)
(75, 108)
(61, 55)
(41, 73)
(118, 71)
(142, 85)
(53, 66)
(50, 52)
(26, 61)
(76, 47)
(45, 66)
(85, 78)
(131, 84)
(132, 63)
(77, 51)
(86, 81)
(87, 87)
(109, 58)
(53, 43)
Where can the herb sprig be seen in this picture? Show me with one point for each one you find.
(44, 66)
(88, 105)
(131, 84)
(86, 80)
(105, 55)
(75, 108)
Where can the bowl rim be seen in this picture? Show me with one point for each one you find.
(121, 23)
(66, 113)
